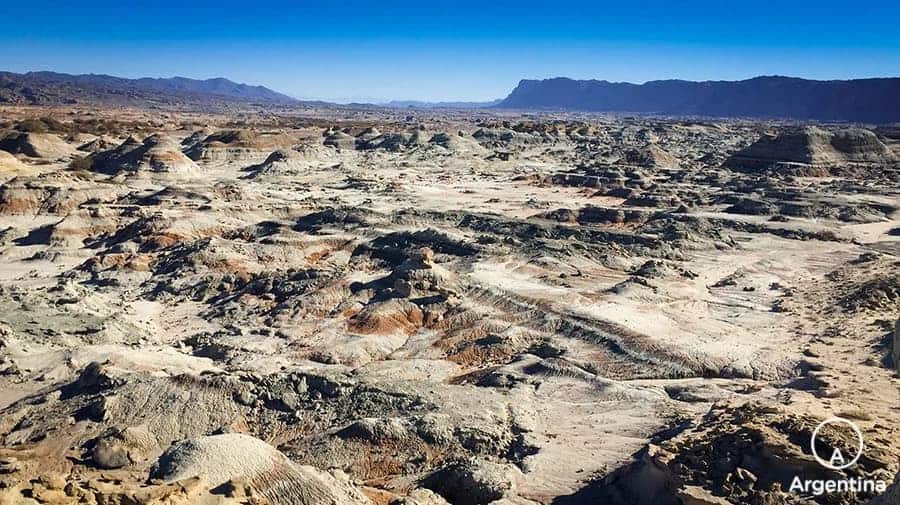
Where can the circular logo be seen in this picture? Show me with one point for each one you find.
(837, 460)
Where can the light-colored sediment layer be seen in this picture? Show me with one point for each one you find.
(535, 312)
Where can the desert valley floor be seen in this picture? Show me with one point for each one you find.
(421, 308)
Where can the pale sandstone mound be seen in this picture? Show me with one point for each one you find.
(22, 195)
(36, 145)
(389, 142)
(372, 139)
(157, 153)
(281, 156)
(288, 162)
(505, 137)
(10, 166)
(650, 156)
(815, 147)
(219, 459)
(51, 193)
(238, 145)
(387, 317)
(456, 143)
(73, 229)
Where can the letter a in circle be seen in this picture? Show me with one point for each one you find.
(837, 459)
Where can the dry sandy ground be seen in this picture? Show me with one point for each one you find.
(446, 309)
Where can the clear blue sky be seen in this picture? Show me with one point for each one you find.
(432, 50)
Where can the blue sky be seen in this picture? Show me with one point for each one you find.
(432, 50)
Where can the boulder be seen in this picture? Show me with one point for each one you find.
(474, 482)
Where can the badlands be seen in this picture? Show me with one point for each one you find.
(406, 307)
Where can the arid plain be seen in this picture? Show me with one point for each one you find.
(354, 306)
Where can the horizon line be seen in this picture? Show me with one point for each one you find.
(387, 100)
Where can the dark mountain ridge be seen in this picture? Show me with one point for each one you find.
(859, 100)
(48, 88)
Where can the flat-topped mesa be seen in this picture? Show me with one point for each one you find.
(812, 151)
(857, 100)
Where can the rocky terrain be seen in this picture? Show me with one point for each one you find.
(423, 308)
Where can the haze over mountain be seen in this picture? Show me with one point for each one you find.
(864, 100)
(40, 88)
(417, 104)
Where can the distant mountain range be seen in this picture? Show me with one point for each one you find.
(858, 100)
(48, 88)
(416, 104)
